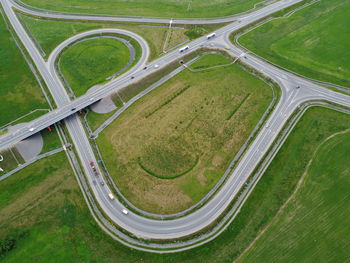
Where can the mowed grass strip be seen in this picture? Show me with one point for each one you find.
(313, 226)
(91, 61)
(153, 8)
(19, 91)
(191, 124)
(312, 42)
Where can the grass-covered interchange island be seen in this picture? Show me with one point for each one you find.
(44, 216)
(153, 8)
(91, 61)
(313, 41)
(172, 146)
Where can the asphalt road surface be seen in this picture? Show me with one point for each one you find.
(98, 18)
(66, 108)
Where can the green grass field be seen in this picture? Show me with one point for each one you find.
(51, 140)
(181, 128)
(51, 33)
(124, 95)
(211, 60)
(42, 206)
(91, 61)
(313, 226)
(19, 88)
(30, 116)
(155, 8)
(43, 209)
(96, 119)
(312, 42)
(10, 159)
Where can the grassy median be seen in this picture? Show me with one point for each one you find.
(312, 42)
(173, 145)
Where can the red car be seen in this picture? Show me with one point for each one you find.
(92, 164)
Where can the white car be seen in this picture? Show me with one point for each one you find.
(31, 129)
(156, 66)
(125, 212)
(211, 35)
(183, 49)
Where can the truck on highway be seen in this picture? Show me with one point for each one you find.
(111, 196)
(183, 49)
(211, 35)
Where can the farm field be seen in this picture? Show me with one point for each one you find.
(154, 8)
(19, 88)
(312, 42)
(312, 226)
(172, 146)
(91, 61)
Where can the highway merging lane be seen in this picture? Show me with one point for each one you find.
(295, 91)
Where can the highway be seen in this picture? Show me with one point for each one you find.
(119, 83)
(295, 91)
(134, 19)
